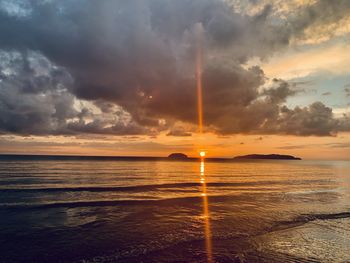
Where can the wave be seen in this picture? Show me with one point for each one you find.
(136, 187)
(100, 203)
(307, 218)
(313, 217)
(148, 187)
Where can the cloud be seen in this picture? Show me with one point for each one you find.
(280, 93)
(179, 132)
(339, 145)
(31, 102)
(306, 21)
(34, 99)
(292, 147)
(135, 64)
(303, 62)
(317, 16)
(347, 90)
(329, 145)
(317, 119)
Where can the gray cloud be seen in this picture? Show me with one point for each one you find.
(292, 147)
(329, 145)
(135, 61)
(339, 145)
(179, 132)
(283, 90)
(34, 99)
(317, 119)
(347, 90)
(32, 102)
(320, 13)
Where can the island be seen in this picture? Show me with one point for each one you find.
(266, 157)
(178, 156)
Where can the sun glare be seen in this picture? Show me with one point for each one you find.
(202, 153)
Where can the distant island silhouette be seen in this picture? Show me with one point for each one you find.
(267, 157)
(243, 157)
(178, 156)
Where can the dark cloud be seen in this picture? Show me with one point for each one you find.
(34, 99)
(281, 92)
(339, 145)
(32, 103)
(179, 132)
(292, 147)
(330, 145)
(347, 90)
(317, 119)
(134, 61)
(344, 123)
(322, 12)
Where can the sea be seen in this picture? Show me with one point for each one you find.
(158, 210)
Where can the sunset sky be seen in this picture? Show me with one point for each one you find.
(119, 77)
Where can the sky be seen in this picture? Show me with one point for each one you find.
(115, 77)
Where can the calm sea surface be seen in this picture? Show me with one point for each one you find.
(169, 211)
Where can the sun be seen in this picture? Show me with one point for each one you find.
(202, 153)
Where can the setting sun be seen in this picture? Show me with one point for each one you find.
(202, 153)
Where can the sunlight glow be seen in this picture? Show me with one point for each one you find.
(206, 215)
(199, 32)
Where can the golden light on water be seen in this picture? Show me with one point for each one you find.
(206, 215)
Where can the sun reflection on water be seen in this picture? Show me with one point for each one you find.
(206, 214)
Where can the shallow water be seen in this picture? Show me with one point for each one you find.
(166, 211)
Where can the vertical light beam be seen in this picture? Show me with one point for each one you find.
(206, 215)
(199, 61)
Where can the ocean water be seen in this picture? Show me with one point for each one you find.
(171, 211)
